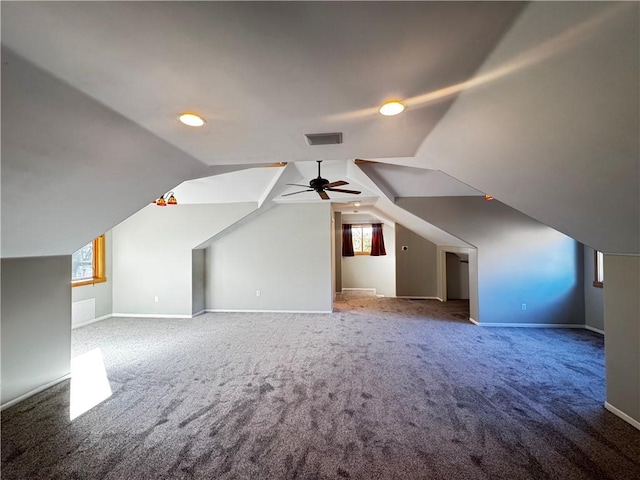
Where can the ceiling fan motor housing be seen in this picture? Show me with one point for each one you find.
(318, 183)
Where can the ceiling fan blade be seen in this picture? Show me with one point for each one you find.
(355, 192)
(297, 185)
(323, 195)
(301, 191)
(336, 184)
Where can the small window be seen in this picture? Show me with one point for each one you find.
(598, 270)
(88, 264)
(361, 235)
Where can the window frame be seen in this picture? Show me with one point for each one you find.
(598, 258)
(361, 226)
(99, 264)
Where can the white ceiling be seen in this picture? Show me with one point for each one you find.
(416, 182)
(262, 73)
(534, 103)
(248, 185)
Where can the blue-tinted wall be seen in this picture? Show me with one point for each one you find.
(520, 260)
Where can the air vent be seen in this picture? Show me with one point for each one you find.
(324, 138)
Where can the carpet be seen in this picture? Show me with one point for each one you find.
(382, 388)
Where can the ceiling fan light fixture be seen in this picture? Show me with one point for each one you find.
(192, 119)
(393, 107)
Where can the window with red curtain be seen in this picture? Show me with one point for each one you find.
(377, 240)
(347, 241)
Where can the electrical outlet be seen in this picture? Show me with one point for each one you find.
(523, 307)
(257, 293)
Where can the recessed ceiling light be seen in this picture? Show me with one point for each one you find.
(191, 119)
(357, 204)
(391, 108)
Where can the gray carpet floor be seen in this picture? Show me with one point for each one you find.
(382, 388)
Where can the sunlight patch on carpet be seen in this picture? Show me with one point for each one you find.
(89, 383)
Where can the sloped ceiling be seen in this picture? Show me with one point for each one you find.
(262, 73)
(533, 103)
(554, 129)
(72, 168)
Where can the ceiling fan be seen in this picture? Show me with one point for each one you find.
(322, 185)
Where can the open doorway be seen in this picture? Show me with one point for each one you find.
(457, 274)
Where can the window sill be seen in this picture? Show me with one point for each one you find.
(83, 283)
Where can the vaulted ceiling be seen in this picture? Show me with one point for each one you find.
(534, 103)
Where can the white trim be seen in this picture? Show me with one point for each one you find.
(34, 391)
(529, 325)
(417, 297)
(198, 313)
(89, 322)
(537, 325)
(149, 315)
(622, 415)
(228, 310)
(361, 289)
(593, 329)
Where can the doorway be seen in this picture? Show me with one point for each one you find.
(457, 275)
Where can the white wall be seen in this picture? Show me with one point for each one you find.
(152, 255)
(36, 323)
(337, 251)
(622, 335)
(100, 293)
(593, 296)
(520, 261)
(284, 253)
(198, 276)
(365, 271)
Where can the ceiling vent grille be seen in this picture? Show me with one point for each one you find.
(323, 138)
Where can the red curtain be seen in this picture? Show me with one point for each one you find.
(347, 241)
(377, 241)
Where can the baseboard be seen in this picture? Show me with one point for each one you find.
(35, 391)
(227, 310)
(417, 297)
(89, 322)
(622, 415)
(593, 329)
(537, 325)
(360, 290)
(149, 315)
(528, 325)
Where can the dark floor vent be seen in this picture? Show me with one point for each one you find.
(324, 138)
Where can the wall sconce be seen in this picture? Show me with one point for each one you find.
(166, 199)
